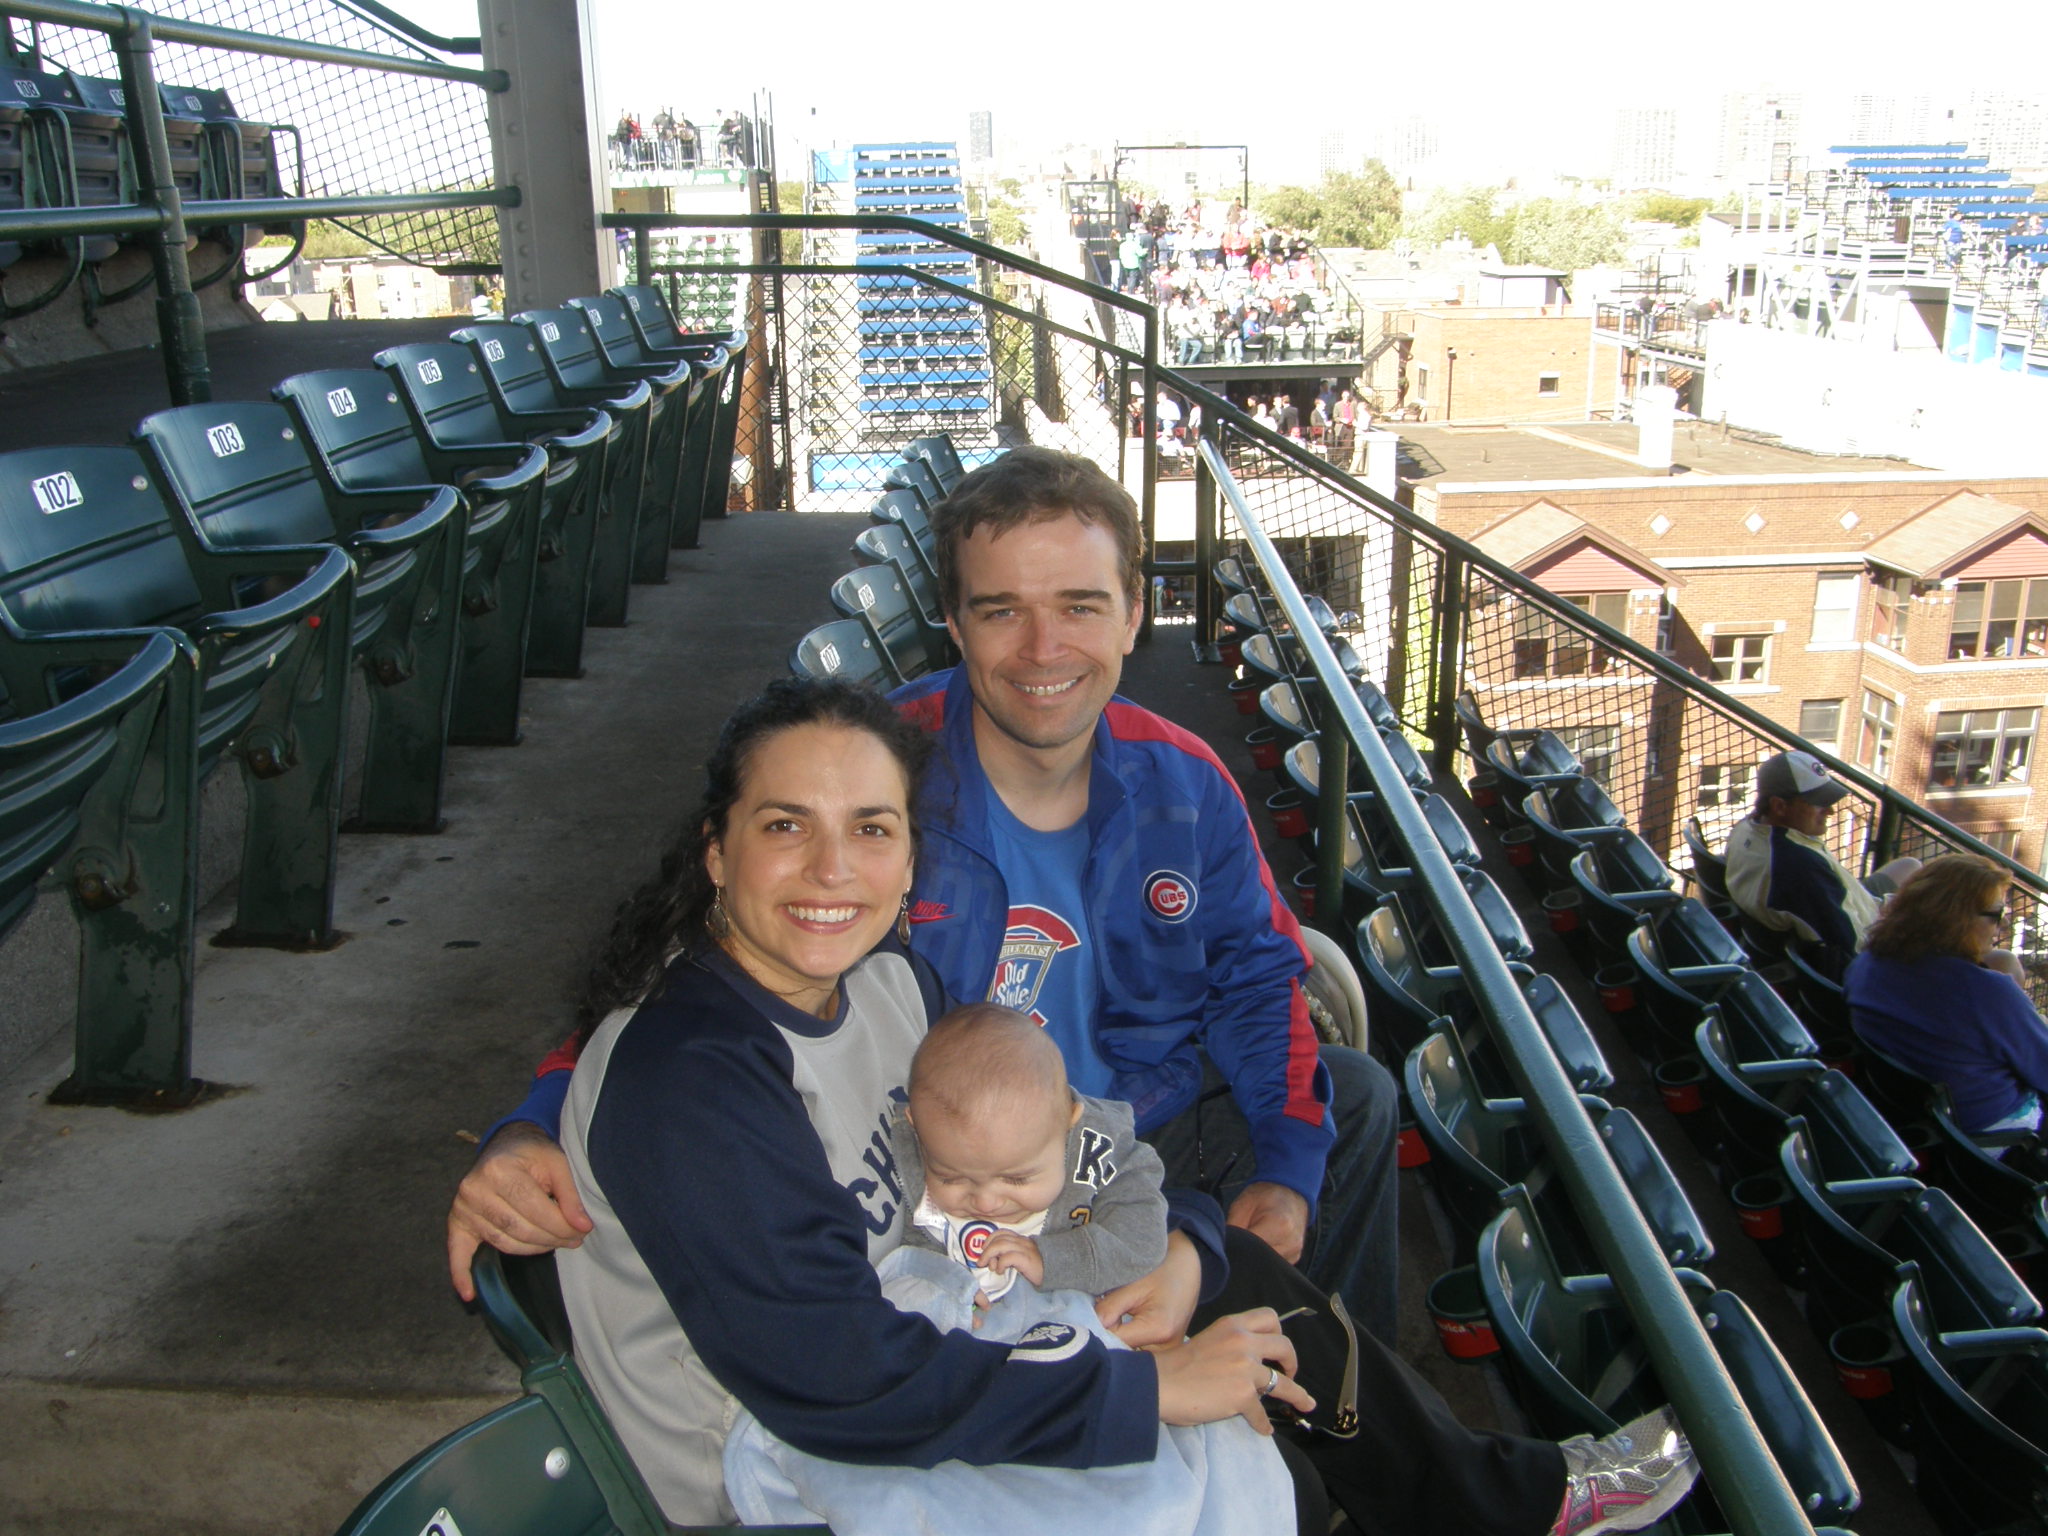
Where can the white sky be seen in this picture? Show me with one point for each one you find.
(1533, 86)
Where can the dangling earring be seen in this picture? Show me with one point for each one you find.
(716, 923)
(903, 920)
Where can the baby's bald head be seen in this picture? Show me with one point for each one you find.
(984, 1063)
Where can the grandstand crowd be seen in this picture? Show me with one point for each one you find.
(671, 142)
(1230, 284)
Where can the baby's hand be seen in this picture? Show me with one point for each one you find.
(1010, 1251)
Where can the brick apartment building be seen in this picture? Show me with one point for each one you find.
(1895, 617)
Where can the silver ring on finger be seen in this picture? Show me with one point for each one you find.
(1272, 1381)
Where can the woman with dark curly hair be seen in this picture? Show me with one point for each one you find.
(1932, 989)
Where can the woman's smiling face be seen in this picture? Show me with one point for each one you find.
(814, 859)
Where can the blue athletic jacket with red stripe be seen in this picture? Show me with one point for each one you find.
(1193, 945)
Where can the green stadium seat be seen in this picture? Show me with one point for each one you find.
(876, 596)
(938, 451)
(243, 475)
(886, 544)
(364, 440)
(88, 542)
(1709, 869)
(1856, 1232)
(570, 351)
(1612, 914)
(906, 509)
(527, 396)
(843, 648)
(1980, 1425)
(100, 793)
(35, 172)
(1579, 1366)
(453, 409)
(915, 475)
(548, 1464)
(1480, 1146)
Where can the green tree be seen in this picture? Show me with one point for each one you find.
(327, 239)
(1289, 207)
(1555, 232)
(1665, 208)
(1473, 212)
(1360, 209)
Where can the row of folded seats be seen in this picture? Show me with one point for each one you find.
(1895, 1227)
(447, 522)
(64, 143)
(1906, 1240)
(892, 624)
(1522, 1256)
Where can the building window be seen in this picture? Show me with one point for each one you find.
(1981, 748)
(1834, 607)
(1727, 784)
(1554, 647)
(1421, 392)
(1593, 745)
(2005, 840)
(1820, 722)
(1740, 658)
(1999, 618)
(1890, 611)
(1547, 384)
(1880, 726)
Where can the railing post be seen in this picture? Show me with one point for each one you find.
(643, 253)
(178, 318)
(1452, 591)
(1148, 500)
(1206, 605)
(1885, 837)
(1333, 804)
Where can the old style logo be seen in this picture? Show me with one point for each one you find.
(1033, 940)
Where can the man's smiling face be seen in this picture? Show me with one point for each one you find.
(1043, 625)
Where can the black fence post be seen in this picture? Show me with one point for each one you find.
(643, 253)
(1206, 606)
(1148, 502)
(1452, 591)
(178, 317)
(1885, 838)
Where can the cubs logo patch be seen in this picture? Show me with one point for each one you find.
(974, 1238)
(1033, 940)
(1048, 1343)
(1170, 895)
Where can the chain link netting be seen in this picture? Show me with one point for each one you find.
(357, 131)
(1668, 750)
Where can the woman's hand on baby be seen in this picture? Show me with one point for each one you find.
(1225, 1369)
(519, 1197)
(1153, 1313)
(1008, 1251)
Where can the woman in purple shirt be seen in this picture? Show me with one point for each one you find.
(1927, 990)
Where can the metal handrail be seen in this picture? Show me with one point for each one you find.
(1748, 1482)
(116, 20)
(141, 218)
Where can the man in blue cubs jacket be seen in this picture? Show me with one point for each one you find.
(1090, 864)
(1093, 866)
